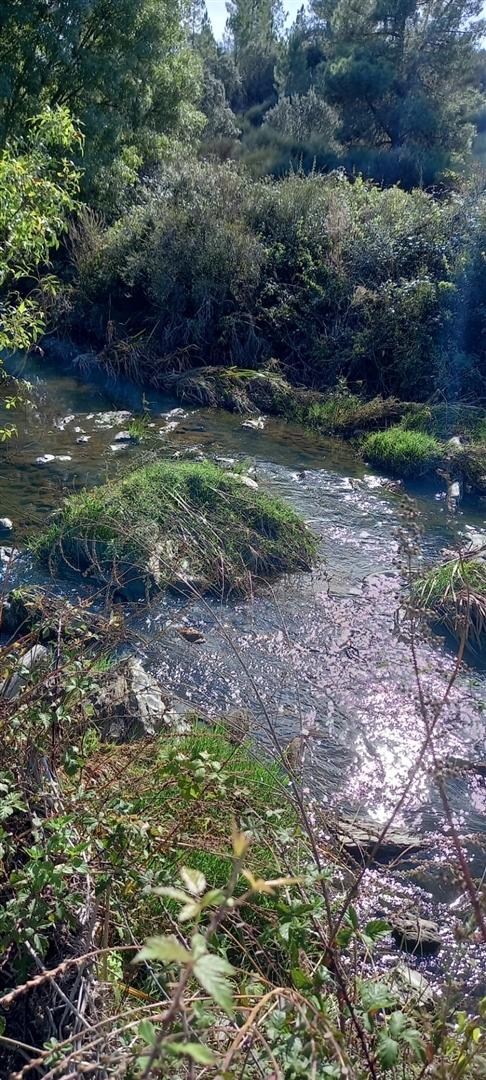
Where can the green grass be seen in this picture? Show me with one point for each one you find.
(169, 524)
(139, 427)
(455, 593)
(402, 452)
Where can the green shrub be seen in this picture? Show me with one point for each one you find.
(333, 279)
(178, 525)
(405, 453)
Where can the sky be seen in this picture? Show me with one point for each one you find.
(217, 14)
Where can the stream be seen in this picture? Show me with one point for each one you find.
(323, 652)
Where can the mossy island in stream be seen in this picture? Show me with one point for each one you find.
(402, 452)
(177, 525)
(454, 594)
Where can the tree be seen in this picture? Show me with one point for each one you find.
(38, 185)
(304, 116)
(120, 66)
(404, 78)
(254, 29)
(301, 57)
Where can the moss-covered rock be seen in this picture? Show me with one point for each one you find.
(402, 452)
(471, 461)
(454, 594)
(181, 525)
(240, 390)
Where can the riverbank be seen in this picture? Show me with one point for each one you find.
(318, 658)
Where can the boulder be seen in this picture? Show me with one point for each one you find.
(411, 985)
(36, 657)
(8, 554)
(129, 703)
(415, 934)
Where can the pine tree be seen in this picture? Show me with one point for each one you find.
(404, 77)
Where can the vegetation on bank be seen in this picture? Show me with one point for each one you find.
(454, 594)
(178, 881)
(178, 525)
(330, 278)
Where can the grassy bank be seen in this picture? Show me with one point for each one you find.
(180, 526)
(178, 881)
(404, 438)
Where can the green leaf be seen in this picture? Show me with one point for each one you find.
(414, 1040)
(300, 980)
(343, 936)
(376, 927)
(397, 1022)
(353, 917)
(197, 1051)
(194, 880)
(211, 972)
(387, 1052)
(167, 949)
(147, 1032)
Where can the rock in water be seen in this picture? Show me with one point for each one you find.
(124, 437)
(359, 837)
(415, 934)
(130, 703)
(255, 425)
(189, 633)
(6, 524)
(166, 524)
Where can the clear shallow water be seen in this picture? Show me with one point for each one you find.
(320, 649)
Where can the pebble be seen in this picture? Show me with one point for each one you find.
(6, 524)
(124, 437)
(45, 459)
(83, 438)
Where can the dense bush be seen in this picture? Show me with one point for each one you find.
(332, 278)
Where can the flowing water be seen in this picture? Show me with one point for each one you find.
(323, 652)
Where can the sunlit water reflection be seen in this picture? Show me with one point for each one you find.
(322, 652)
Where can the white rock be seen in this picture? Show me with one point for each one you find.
(109, 419)
(34, 658)
(242, 478)
(45, 459)
(83, 438)
(6, 523)
(255, 425)
(8, 554)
